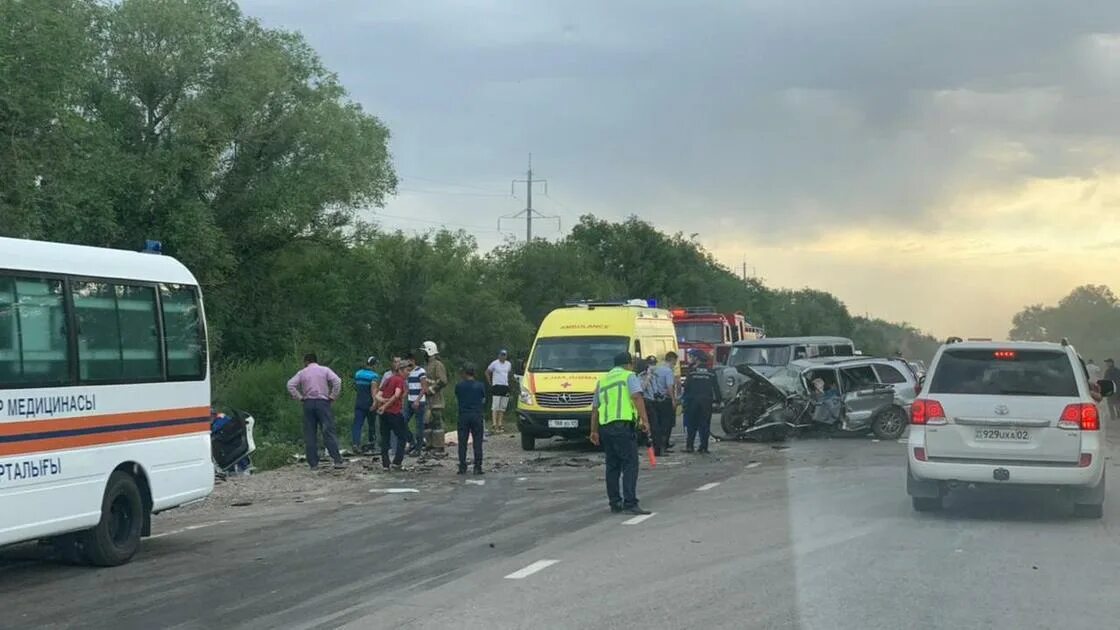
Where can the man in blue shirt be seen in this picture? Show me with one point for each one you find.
(366, 380)
(471, 395)
(663, 389)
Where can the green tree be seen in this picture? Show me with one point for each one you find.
(183, 121)
(53, 154)
(1089, 317)
(518, 272)
(883, 338)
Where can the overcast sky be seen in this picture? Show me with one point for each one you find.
(942, 163)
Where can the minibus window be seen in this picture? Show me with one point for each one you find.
(117, 335)
(182, 325)
(33, 338)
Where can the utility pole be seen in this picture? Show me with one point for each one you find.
(528, 212)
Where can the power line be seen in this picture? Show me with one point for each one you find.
(470, 226)
(529, 212)
(453, 193)
(444, 183)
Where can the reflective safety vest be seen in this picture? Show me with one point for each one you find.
(614, 397)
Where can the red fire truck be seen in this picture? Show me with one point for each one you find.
(702, 328)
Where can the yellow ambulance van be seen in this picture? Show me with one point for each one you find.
(575, 346)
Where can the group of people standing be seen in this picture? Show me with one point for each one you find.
(695, 398)
(632, 398)
(643, 397)
(406, 402)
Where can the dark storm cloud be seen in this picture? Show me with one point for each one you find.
(779, 114)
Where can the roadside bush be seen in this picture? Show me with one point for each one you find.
(271, 455)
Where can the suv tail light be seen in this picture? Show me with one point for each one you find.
(925, 411)
(1082, 416)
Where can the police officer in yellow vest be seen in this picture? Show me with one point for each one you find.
(617, 405)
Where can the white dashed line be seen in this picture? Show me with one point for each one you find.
(477, 482)
(639, 518)
(754, 464)
(707, 486)
(539, 565)
(903, 440)
(393, 490)
(187, 529)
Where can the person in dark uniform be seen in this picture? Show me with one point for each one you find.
(1112, 373)
(471, 395)
(616, 407)
(701, 390)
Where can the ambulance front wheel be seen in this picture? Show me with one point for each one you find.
(528, 442)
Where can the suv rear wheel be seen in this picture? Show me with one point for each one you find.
(1093, 507)
(926, 504)
(890, 424)
(1088, 510)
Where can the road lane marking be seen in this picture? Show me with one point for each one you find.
(754, 464)
(707, 486)
(638, 519)
(539, 565)
(189, 528)
(393, 490)
(477, 482)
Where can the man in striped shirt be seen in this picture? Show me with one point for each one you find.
(417, 401)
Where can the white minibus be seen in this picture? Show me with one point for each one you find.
(104, 396)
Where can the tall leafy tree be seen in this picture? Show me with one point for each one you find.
(1089, 317)
(183, 121)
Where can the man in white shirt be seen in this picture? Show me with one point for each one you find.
(417, 405)
(497, 375)
(1094, 371)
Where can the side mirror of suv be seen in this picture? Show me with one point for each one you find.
(1108, 387)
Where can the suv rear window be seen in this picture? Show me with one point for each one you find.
(1012, 373)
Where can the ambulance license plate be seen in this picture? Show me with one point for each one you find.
(563, 424)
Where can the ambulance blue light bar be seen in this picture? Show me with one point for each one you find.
(153, 247)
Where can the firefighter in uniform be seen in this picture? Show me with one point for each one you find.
(701, 390)
(617, 405)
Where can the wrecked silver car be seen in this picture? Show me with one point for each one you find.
(807, 395)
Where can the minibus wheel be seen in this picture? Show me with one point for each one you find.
(117, 537)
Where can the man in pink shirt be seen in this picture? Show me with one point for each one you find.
(317, 387)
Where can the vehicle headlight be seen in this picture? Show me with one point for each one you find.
(526, 396)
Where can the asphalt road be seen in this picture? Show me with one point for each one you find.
(818, 535)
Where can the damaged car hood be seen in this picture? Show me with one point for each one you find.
(774, 388)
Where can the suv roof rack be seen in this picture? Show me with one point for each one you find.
(953, 340)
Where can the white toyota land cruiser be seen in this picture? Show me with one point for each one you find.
(1007, 413)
